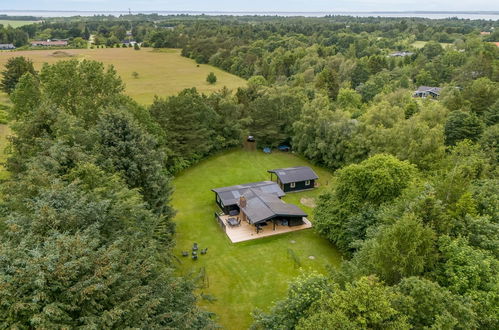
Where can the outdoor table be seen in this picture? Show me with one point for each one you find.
(232, 221)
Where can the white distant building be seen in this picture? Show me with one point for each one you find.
(7, 46)
(401, 54)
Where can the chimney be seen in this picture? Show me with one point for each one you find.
(242, 201)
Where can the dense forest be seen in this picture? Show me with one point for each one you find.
(87, 227)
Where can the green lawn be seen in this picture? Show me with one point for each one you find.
(251, 274)
(420, 44)
(15, 23)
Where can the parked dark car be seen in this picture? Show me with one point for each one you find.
(250, 138)
(284, 148)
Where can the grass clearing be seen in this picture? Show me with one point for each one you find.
(4, 133)
(16, 23)
(161, 73)
(252, 274)
(420, 44)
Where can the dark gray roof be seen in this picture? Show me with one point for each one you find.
(230, 195)
(261, 206)
(435, 90)
(295, 174)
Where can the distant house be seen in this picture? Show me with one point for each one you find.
(427, 91)
(227, 198)
(7, 46)
(484, 33)
(130, 43)
(401, 54)
(49, 43)
(294, 178)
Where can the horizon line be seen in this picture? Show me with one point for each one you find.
(262, 12)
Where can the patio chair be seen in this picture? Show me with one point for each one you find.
(185, 253)
(195, 257)
(195, 247)
(203, 251)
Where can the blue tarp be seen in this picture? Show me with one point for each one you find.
(267, 150)
(284, 148)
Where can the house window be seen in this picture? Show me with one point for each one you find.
(307, 183)
(292, 184)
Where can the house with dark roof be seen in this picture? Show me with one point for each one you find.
(427, 91)
(294, 178)
(258, 208)
(227, 198)
(255, 210)
(7, 46)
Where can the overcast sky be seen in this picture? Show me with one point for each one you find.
(252, 5)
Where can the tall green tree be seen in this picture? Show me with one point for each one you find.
(186, 121)
(462, 125)
(329, 82)
(125, 148)
(15, 68)
(428, 305)
(345, 213)
(406, 248)
(364, 304)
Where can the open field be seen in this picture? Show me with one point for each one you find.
(4, 133)
(161, 73)
(251, 274)
(15, 23)
(420, 44)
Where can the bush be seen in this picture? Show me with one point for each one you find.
(211, 78)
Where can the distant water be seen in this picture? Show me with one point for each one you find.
(487, 15)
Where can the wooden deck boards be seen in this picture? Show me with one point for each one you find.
(246, 232)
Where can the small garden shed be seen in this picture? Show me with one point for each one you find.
(294, 178)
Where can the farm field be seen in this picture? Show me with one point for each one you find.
(15, 23)
(252, 274)
(161, 73)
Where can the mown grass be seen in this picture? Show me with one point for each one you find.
(15, 23)
(420, 44)
(161, 73)
(252, 274)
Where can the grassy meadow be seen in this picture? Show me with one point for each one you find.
(420, 44)
(15, 23)
(4, 133)
(252, 274)
(161, 73)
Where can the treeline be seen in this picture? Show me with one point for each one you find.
(203, 36)
(9, 35)
(423, 248)
(86, 231)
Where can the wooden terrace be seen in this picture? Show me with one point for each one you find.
(246, 232)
